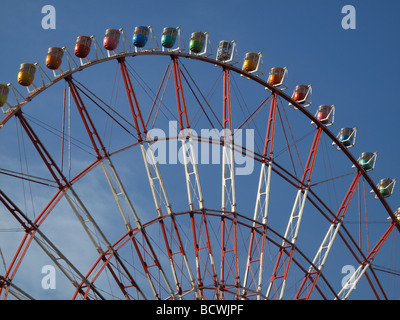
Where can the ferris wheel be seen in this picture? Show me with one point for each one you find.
(150, 170)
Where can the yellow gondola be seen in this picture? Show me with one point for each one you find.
(251, 61)
(26, 74)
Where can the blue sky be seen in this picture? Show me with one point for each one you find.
(354, 69)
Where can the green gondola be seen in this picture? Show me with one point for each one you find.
(367, 161)
(196, 43)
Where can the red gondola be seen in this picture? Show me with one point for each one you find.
(82, 46)
(324, 113)
(111, 39)
(300, 93)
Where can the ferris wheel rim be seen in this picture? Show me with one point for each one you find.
(14, 109)
(213, 213)
(257, 79)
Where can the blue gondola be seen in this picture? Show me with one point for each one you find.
(140, 36)
(346, 136)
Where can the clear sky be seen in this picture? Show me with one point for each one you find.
(355, 69)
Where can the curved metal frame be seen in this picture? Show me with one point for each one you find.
(264, 83)
(230, 215)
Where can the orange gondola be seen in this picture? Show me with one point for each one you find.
(54, 58)
(276, 76)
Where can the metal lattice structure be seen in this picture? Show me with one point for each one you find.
(189, 231)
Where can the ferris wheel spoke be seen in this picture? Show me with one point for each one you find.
(113, 179)
(229, 246)
(159, 191)
(58, 258)
(111, 175)
(172, 255)
(19, 255)
(363, 259)
(110, 172)
(14, 290)
(200, 232)
(313, 273)
(364, 265)
(100, 241)
(282, 266)
(156, 184)
(257, 242)
(85, 218)
(120, 194)
(133, 102)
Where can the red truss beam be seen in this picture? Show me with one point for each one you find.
(203, 253)
(227, 111)
(255, 257)
(312, 275)
(180, 96)
(366, 263)
(17, 259)
(133, 102)
(94, 137)
(229, 247)
(31, 228)
(270, 135)
(172, 252)
(59, 178)
(99, 148)
(47, 159)
(311, 159)
(282, 265)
